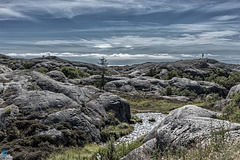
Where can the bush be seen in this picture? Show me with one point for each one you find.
(42, 70)
(152, 120)
(73, 73)
(232, 110)
(28, 64)
(153, 72)
(118, 131)
(224, 78)
(135, 119)
(114, 152)
(7, 111)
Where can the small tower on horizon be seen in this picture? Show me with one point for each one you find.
(202, 55)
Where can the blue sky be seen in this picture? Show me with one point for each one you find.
(147, 30)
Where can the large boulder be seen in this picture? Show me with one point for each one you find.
(187, 126)
(184, 83)
(7, 112)
(140, 84)
(197, 72)
(199, 87)
(42, 100)
(233, 91)
(78, 121)
(143, 152)
(57, 75)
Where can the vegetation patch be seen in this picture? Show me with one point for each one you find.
(143, 104)
(92, 151)
(28, 65)
(220, 76)
(73, 73)
(42, 70)
(152, 120)
(232, 110)
(120, 130)
(169, 90)
(135, 119)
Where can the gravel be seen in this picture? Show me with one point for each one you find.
(143, 128)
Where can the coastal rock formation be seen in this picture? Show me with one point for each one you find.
(38, 108)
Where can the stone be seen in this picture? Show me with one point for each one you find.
(55, 134)
(140, 84)
(233, 91)
(143, 152)
(57, 75)
(186, 127)
(197, 72)
(42, 100)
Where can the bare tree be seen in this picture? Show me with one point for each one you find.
(103, 64)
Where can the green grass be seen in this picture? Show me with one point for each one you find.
(118, 131)
(75, 153)
(135, 119)
(142, 104)
(112, 152)
(92, 151)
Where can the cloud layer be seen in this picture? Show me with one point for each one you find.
(119, 28)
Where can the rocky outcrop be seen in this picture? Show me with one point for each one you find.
(184, 127)
(38, 108)
(156, 86)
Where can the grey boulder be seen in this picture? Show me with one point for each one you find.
(57, 75)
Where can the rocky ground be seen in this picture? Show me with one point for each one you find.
(49, 102)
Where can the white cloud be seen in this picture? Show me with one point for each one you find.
(71, 8)
(187, 55)
(103, 46)
(210, 38)
(6, 13)
(225, 18)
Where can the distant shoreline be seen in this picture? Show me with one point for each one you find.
(120, 61)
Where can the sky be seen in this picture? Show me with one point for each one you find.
(125, 32)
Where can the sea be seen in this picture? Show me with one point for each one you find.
(134, 57)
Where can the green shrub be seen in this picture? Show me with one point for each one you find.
(135, 119)
(7, 111)
(152, 120)
(42, 70)
(232, 110)
(173, 73)
(224, 78)
(73, 73)
(115, 152)
(118, 131)
(28, 64)
(34, 87)
(153, 72)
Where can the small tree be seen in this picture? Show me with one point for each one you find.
(103, 63)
